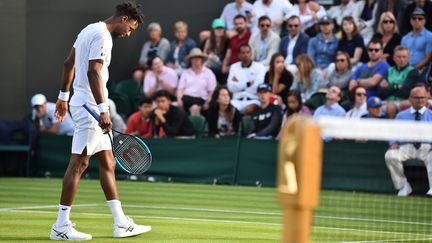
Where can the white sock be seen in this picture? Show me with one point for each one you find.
(63, 215)
(117, 212)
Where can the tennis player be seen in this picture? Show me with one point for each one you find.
(88, 62)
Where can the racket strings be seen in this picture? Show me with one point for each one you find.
(131, 154)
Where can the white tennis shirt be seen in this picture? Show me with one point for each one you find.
(94, 42)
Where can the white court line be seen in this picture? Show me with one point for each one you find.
(220, 221)
(21, 210)
(373, 220)
(277, 214)
(370, 231)
(47, 206)
(398, 240)
(151, 217)
(225, 211)
(233, 221)
(203, 210)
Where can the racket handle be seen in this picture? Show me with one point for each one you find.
(92, 112)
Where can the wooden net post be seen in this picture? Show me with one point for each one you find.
(299, 177)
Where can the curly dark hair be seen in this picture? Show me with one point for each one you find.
(131, 10)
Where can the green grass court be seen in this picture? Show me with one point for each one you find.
(207, 213)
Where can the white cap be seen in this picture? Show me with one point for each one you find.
(38, 99)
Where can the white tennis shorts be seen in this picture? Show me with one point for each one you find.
(87, 132)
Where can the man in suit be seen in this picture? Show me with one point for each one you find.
(264, 42)
(295, 43)
(401, 151)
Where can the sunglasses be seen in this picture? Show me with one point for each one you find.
(388, 22)
(374, 49)
(360, 94)
(325, 23)
(340, 60)
(292, 26)
(417, 18)
(264, 25)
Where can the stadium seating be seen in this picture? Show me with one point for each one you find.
(16, 141)
(199, 124)
(128, 87)
(110, 86)
(246, 125)
(128, 90)
(123, 104)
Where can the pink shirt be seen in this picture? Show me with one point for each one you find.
(168, 76)
(198, 85)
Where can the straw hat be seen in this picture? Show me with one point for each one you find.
(196, 52)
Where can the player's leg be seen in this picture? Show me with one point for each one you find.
(63, 229)
(107, 174)
(86, 137)
(77, 165)
(108, 184)
(123, 225)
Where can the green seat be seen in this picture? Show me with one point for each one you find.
(110, 86)
(123, 104)
(246, 125)
(199, 124)
(315, 101)
(130, 89)
(136, 100)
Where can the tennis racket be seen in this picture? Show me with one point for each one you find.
(130, 152)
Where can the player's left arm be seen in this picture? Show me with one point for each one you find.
(67, 78)
(96, 85)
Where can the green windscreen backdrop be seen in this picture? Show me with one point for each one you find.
(347, 165)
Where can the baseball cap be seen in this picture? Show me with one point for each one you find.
(218, 23)
(38, 99)
(263, 87)
(325, 19)
(418, 11)
(374, 101)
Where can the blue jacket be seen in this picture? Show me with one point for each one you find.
(300, 46)
(188, 45)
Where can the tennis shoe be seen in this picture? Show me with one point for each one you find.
(130, 229)
(405, 190)
(68, 232)
(429, 193)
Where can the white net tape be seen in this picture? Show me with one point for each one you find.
(375, 129)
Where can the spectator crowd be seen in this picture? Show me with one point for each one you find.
(267, 60)
(264, 61)
(261, 63)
